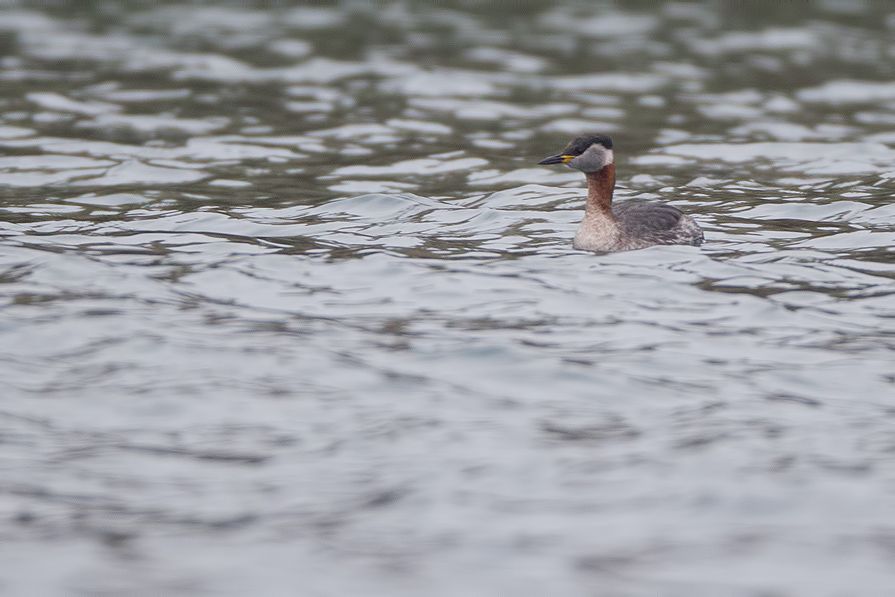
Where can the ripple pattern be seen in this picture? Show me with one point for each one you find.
(286, 307)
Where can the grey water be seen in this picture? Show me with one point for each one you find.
(287, 308)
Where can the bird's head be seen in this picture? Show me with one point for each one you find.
(588, 153)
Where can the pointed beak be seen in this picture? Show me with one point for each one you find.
(556, 159)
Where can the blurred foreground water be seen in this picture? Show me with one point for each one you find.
(288, 309)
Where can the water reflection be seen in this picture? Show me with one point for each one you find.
(287, 303)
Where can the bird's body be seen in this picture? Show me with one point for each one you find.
(637, 225)
(630, 224)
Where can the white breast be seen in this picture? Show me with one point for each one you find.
(596, 234)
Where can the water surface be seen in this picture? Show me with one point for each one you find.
(288, 309)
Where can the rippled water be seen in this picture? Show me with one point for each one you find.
(288, 309)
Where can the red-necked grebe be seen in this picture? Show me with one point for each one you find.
(628, 225)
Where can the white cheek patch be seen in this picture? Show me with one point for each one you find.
(595, 158)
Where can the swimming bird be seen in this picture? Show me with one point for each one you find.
(629, 224)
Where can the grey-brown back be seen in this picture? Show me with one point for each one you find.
(645, 223)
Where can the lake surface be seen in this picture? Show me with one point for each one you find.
(289, 309)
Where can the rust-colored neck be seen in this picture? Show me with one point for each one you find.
(600, 186)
